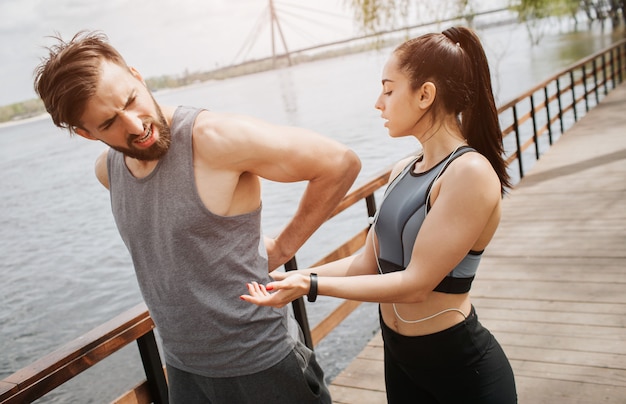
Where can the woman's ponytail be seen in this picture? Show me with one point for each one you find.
(479, 120)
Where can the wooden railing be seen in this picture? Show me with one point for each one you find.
(564, 97)
(528, 124)
(49, 372)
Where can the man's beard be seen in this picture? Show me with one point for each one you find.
(159, 148)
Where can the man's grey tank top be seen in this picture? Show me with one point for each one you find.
(193, 265)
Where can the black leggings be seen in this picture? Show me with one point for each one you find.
(462, 364)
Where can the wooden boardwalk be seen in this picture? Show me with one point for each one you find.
(552, 284)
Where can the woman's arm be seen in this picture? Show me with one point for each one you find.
(291, 285)
(464, 213)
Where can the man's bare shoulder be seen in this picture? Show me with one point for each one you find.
(101, 168)
(246, 143)
(224, 122)
(223, 129)
(222, 138)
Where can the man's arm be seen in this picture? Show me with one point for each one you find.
(286, 154)
(332, 179)
(101, 169)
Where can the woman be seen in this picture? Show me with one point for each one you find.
(440, 211)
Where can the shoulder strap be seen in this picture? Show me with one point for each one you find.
(459, 151)
(402, 173)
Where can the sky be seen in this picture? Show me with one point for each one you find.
(161, 36)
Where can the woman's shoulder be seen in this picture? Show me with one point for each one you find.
(470, 158)
(473, 168)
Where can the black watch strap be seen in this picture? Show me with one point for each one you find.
(312, 296)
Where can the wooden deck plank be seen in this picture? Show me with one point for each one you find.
(548, 306)
(549, 391)
(557, 371)
(351, 395)
(361, 375)
(557, 318)
(552, 284)
(554, 330)
(549, 353)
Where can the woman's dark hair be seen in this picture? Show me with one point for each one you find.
(455, 62)
(68, 77)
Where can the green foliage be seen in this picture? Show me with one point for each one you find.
(536, 9)
(21, 110)
(379, 15)
(376, 15)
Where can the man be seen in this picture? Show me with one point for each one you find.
(185, 195)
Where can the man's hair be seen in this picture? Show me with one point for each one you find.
(68, 77)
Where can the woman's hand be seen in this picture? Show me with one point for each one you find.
(279, 275)
(278, 293)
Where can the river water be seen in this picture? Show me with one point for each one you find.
(64, 269)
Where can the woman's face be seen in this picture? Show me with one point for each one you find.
(398, 103)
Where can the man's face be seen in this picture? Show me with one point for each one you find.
(123, 114)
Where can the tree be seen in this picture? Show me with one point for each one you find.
(381, 15)
(377, 15)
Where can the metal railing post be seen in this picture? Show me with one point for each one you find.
(604, 77)
(612, 69)
(558, 97)
(549, 123)
(534, 119)
(619, 62)
(595, 80)
(299, 309)
(573, 84)
(518, 142)
(584, 72)
(153, 367)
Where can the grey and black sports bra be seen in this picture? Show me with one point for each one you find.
(400, 218)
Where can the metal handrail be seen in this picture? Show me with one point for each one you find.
(587, 80)
(564, 91)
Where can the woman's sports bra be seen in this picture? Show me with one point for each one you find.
(400, 218)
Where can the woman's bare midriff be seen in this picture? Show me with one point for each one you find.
(436, 302)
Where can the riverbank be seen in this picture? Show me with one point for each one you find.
(25, 111)
(19, 112)
(21, 121)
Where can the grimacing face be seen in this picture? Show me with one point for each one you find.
(157, 149)
(123, 114)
